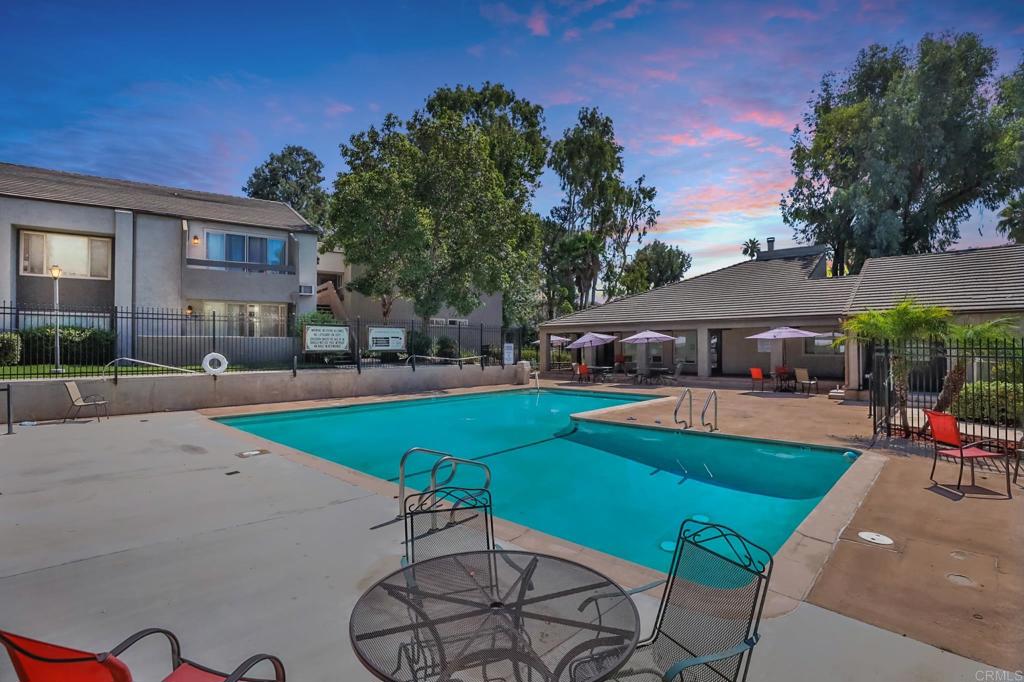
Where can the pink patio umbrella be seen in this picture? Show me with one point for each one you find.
(591, 340)
(782, 333)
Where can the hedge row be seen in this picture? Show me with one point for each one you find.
(78, 346)
(991, 402)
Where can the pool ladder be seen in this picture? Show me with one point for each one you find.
(443, 458)
(710, 402)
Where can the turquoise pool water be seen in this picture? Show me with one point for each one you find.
(623, 490)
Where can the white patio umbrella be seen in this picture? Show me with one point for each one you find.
(648, 337)
(782, 333)
(591, 340)
(554, 340)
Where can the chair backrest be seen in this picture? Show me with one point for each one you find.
(36, 661)
(679, 371)
(802, 374)
(945, 429)
(780, 369)
(713, 600)
(756, 374)
(575, 368)
(73, 391)
(584, 370)
(446, 521)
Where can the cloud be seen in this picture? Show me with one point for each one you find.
(335, 108)
(741, 194)
(475, 50)
(562, 97)
(571, 34)
(536, 21)
(766, 119)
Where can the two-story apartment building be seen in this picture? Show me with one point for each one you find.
(136, 245)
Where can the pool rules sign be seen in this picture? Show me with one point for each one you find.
(325, 339)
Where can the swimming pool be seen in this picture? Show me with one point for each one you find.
(622, 490)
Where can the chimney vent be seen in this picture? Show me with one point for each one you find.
(771, 244)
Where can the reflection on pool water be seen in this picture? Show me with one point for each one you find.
(622, 490)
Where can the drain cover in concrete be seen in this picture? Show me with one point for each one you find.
(961, 580)
(874, 538)
(246, 454)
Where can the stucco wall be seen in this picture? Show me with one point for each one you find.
(158, 276)
(489, 313)
(43, 400)
(16, 214)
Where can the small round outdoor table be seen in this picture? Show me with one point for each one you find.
(488, 616)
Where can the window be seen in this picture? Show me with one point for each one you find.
(458, 322)
(686, 347)
(78, 256)
(438, 322)
(244, 319)
(822, 345)
(240, 248)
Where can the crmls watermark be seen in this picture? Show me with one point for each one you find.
(999, 676)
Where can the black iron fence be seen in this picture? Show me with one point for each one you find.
(39, 342)
(981, 383)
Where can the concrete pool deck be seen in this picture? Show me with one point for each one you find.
(108, 528)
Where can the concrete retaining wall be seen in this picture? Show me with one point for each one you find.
(48, 399)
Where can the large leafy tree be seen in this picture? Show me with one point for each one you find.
(1011, 220)
(599, 213)
(656, 265)
(294, 176)
(556, 270)
(461, 227)
(898, 327)
(892, 158)
(518, 148)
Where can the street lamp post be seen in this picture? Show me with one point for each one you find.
(56, 272)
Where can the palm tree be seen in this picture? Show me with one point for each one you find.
(898, 326)
(751, 247)
(1011, 219)
(965, 338)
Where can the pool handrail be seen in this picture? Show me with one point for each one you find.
(687, 423)
(401, 473)
(712, 398)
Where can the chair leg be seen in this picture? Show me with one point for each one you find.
(972, 472)
(935, 460)
(960, 478)
(67, 414)
(1009, 495)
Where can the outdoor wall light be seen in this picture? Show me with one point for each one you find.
(195, 240)
(188, 310)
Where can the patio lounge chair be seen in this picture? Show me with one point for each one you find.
(78, 402)
(36, 661)
(756, 374)
(707, 624)
(946, 431)
(804, 380)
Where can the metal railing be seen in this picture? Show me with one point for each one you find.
(712, 399)
(688, 422)
(443, 458)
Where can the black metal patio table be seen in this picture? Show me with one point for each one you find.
(490, 616)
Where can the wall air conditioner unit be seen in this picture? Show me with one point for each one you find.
(305, 290)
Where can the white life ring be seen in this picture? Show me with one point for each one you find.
(215, 363)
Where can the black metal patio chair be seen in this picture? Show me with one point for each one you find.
(707, 624)
(447, 521)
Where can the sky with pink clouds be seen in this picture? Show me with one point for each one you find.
(704, 95)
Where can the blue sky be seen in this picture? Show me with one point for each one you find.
(703, 94)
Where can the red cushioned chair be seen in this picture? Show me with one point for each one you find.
(946, 431)
(756, 374)
(36, 661)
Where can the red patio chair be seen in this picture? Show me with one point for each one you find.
(946, 431)
(36, 661)
(585, 374)
(756, 374)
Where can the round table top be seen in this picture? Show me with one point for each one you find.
(488, 616)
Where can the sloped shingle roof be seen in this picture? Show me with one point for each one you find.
(967, 280)
(777, 287)
(49, 185)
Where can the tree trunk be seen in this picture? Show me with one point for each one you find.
(900, 384)
(952, 385)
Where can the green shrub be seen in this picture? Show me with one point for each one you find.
(447, 347)
(78, 346)
(10, 349)
(529, 354)
(312, 318)
(991, 402)
(561, 355)
(420, 343)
